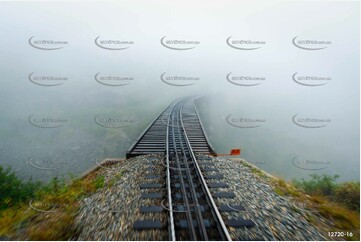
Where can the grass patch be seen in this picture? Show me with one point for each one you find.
(282, 188)
(99, 182)
(116, 178)
(340, 215)
(51, 213)
(254, 169)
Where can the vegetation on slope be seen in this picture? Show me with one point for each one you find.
(32, 211)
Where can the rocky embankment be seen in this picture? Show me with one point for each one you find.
(109, 213)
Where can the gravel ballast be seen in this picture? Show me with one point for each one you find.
(275, 216)
(109, 213)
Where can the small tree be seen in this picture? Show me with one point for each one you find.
(348, 193)
(13, 190)
(320, 185)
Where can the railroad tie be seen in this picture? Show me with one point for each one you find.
(148, 224)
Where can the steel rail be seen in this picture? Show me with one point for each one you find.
(199, 217)
(184, 192)
(178, 139)
(170, 203)
(147, 128)
(202, 127)
(204, 184)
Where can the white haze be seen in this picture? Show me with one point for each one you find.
(276, 100)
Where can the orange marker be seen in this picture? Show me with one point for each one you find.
(233, 153)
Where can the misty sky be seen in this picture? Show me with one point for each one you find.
(275, 143)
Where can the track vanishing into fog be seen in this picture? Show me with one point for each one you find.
(178, 134)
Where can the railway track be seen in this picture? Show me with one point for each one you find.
(153, 139)
(186, 195)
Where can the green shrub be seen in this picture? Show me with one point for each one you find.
(318, 185)
(55, 186)
(348, 193)
(13, 190)
(99, 182)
